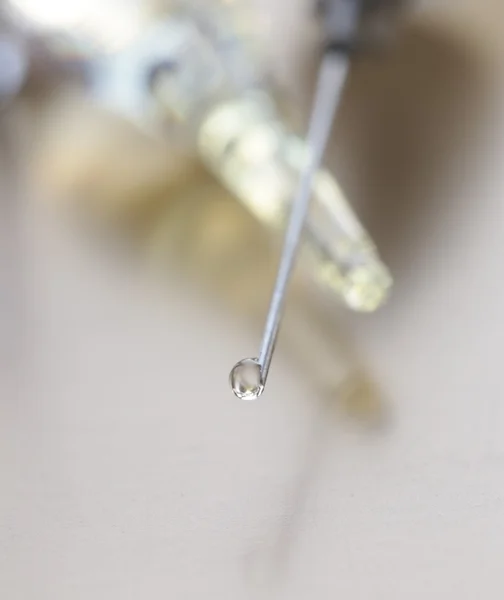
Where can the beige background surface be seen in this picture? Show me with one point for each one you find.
(129, 471)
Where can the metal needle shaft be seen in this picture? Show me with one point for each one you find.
(331, 80)
(330, 84)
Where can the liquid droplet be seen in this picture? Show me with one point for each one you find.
(245, 379)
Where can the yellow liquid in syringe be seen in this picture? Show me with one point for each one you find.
(245, 146)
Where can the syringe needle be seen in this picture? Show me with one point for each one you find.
(248, 377)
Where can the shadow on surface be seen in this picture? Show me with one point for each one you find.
(409, 122)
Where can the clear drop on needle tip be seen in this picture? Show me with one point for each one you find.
(246, 379)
